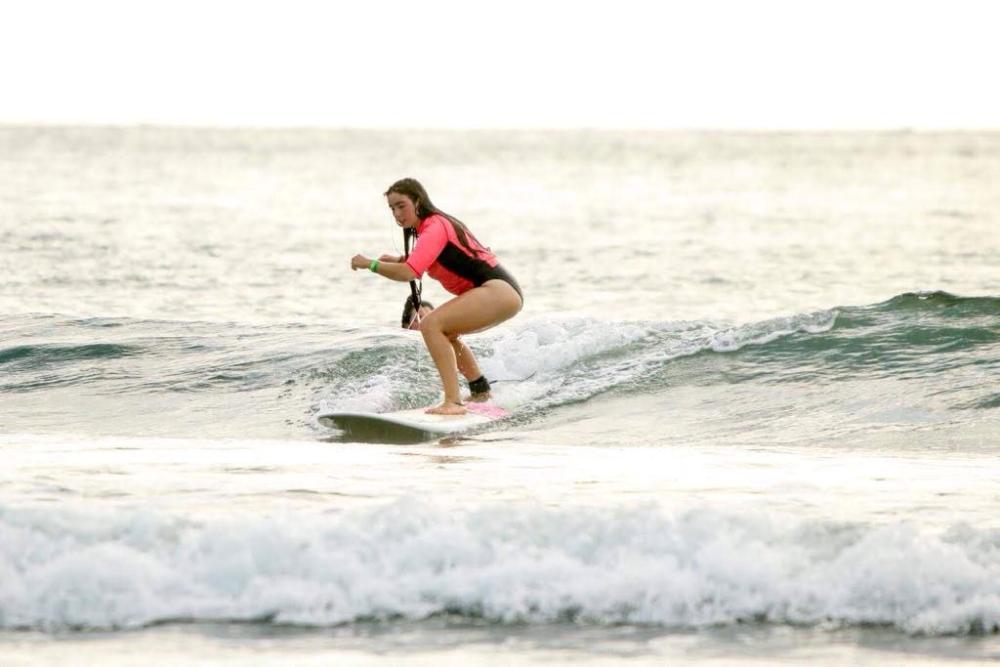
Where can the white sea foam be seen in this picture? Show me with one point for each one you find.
(554, 345)
(761, 333)
(616, 353)
(531, 362)
(540, 349)
(551, 345)
(373, 393)
(63, 569)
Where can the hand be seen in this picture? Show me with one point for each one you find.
(391, 258)
(360, 262)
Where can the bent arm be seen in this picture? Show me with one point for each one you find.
(396, 271)
(392, 270)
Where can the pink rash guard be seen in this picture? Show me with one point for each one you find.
(440, 254)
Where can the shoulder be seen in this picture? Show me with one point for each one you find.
(434, 225)
(433, 220)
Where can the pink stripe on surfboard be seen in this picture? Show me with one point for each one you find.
(486, 410)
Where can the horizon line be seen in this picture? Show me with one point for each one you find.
(748, 129)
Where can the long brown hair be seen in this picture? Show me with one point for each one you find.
(411, 187)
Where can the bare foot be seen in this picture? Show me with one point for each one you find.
(480, 398)
(447, 408)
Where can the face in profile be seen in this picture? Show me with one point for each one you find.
(404, 210)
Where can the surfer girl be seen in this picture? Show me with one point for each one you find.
(485, 293)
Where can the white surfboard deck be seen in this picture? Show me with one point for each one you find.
(410, 425)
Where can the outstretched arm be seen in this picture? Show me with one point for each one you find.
(391, 270)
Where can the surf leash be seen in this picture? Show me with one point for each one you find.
(416, 286)
(527, 377)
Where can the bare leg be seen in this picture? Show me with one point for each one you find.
(475, 310)
(468, 367)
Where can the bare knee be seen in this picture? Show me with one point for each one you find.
(431, 327)
(434, 326)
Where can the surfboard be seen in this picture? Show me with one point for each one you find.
(410, 425)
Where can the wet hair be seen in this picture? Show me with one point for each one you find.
(411, 187)
(408, 310)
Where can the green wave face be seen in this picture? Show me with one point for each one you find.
(917, 336)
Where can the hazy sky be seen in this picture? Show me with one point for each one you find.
(515, 63)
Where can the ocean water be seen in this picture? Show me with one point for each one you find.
(755, 397)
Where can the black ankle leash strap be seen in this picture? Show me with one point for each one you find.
(480, 386)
